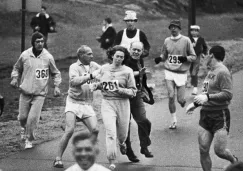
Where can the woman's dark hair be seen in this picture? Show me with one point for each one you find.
(218, 52)
(108, 20)
(110, 52)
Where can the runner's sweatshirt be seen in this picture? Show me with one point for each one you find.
(80, 82)
(122, 77)
(173, 48)
(218, 84)
(35, 72)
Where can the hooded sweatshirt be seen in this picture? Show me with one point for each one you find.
(35, 72)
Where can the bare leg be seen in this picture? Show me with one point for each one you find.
(91, 123)
(181, 95)
(220, 146)
(70, 125)
(205, 139)
(171, 95)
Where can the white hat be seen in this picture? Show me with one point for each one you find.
(130, 15)
(195, 27)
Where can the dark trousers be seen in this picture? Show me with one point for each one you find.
(144, 125)
(194, 69)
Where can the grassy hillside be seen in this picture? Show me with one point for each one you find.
(79, 23)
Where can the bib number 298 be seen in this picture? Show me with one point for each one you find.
(41, 74)
(110, 85)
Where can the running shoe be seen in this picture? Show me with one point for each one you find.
(123, 148)
(28, 144)
(22, 134)
(112, 167)
(58, 163)
(173, 126)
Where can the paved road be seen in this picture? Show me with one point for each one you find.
(174, 150)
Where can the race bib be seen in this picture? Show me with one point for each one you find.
(205, 86)
(42, 74)
(173, 59)
(110, 85)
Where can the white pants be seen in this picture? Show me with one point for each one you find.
(116, 117)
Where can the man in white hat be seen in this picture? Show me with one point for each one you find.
(131, 34)
(201, 49)
(125, 37)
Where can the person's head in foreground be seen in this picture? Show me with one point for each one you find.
(130, 19)
(216, 55)
(175, 27)
(85, 149)
(136, 50)
(235, 167)
(118, 55)
(85, 54)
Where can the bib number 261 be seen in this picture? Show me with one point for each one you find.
(110, 85)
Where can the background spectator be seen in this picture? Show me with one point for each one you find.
(43, 23)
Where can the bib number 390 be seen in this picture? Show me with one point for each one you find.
(205, 86)
(41, 74)
(110, 85)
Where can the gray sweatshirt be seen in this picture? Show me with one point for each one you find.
(218, 84)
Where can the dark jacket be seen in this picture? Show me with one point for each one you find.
(109, 34)
(133, 64)
(44, 22)
(200, 46)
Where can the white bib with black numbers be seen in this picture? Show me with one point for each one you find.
(173, 60)
(205, 87)
(42, 74)
(111, 85)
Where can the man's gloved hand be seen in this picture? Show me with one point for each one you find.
(182, 59)
(157, 60)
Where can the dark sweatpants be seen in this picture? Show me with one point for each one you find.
(144, 125)
(194, 68)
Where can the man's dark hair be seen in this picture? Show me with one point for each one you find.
(235, 167)
(108, 20)
(218, 52)
(43, 7)
(85, 136)
(110, 52)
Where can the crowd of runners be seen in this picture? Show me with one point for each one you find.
(123, 85)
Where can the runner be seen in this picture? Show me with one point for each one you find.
(78, 102)
(214, 115)
(201, 49)
(137, 105)
(85, 152)
(177, 53)
(117, 86)
(131, 34)
(34, 67)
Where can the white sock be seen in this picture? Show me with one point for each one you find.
(173, 117)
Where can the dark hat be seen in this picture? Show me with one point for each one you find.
(176, 23)
(36, 35)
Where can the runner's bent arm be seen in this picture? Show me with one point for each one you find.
(118, 38)
(131, 89)
(17, 69)
(225, 84)
(55, 73)
(144, 40)
(75, 78)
